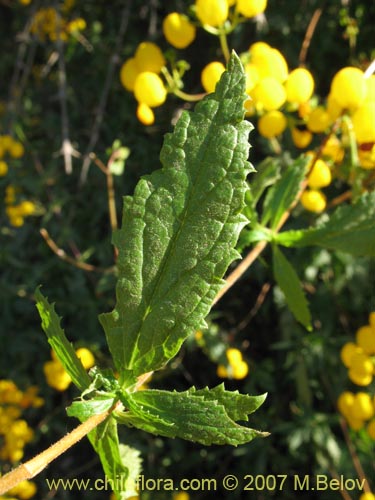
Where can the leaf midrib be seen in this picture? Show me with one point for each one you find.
(176, 236)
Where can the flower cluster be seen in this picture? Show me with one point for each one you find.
(11, 147)
(236, 367)
(48, 23)
(319, 176)
(359, 358)
(281, 98)
(357, 409)
(141, 75)
(16, 209)
(55, 373)
(214, 13)
(14, 431)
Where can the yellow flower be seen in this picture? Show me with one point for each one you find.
(367, 496)
(178, 30)
(251, 8)
(145, 114)
(313, 200)
(268, 61)
(320, 175)
(56, 375)
(181, 495)
(318, 120)
(149, 89)
(211, 75)
(299, 86)
(364, 123)
(269, 94)
(128, 73)
(212, 12)
(345, 403)
(362, 408)
(347, 352)
(149, 57)
(349, 88)
(3, 168)
(221, 371)
(301, 137)
(240, 370)
(272, 124)
(16, 149)
(86, 357)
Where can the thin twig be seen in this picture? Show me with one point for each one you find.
(240, 269)
(113, 62)
(70, 260)
(355, 459)
(110, 186)
(345, 495)
(308, 35)
(253, 311)
(347, 195)
(67, 149)
(22, 68)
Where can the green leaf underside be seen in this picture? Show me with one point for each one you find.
(204, 416)
(86, 409)
(282, 194)
(179, 231)
(350, 229)
(104, 440)
(59, 343)
(289, 283)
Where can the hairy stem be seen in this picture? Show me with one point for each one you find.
(34, 466)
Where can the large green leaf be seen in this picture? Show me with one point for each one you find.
(289, 283)
(59, 343)
(351, 229)
(204, 416)
(282, 194)
(179, 230)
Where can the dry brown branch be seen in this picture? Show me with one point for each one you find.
(308, 35)
(70, 260)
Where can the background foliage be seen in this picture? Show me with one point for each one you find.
(301, 371)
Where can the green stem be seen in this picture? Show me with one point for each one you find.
(352, 140)
(224, 45)
(187, 97)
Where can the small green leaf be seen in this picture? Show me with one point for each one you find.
(132, 458)
(204, 416)
(267, 174)
(59, 343)
(350, 229)
(289, 283)
(104, 440)
(179, 231)
(85, 409)
(282, 194)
